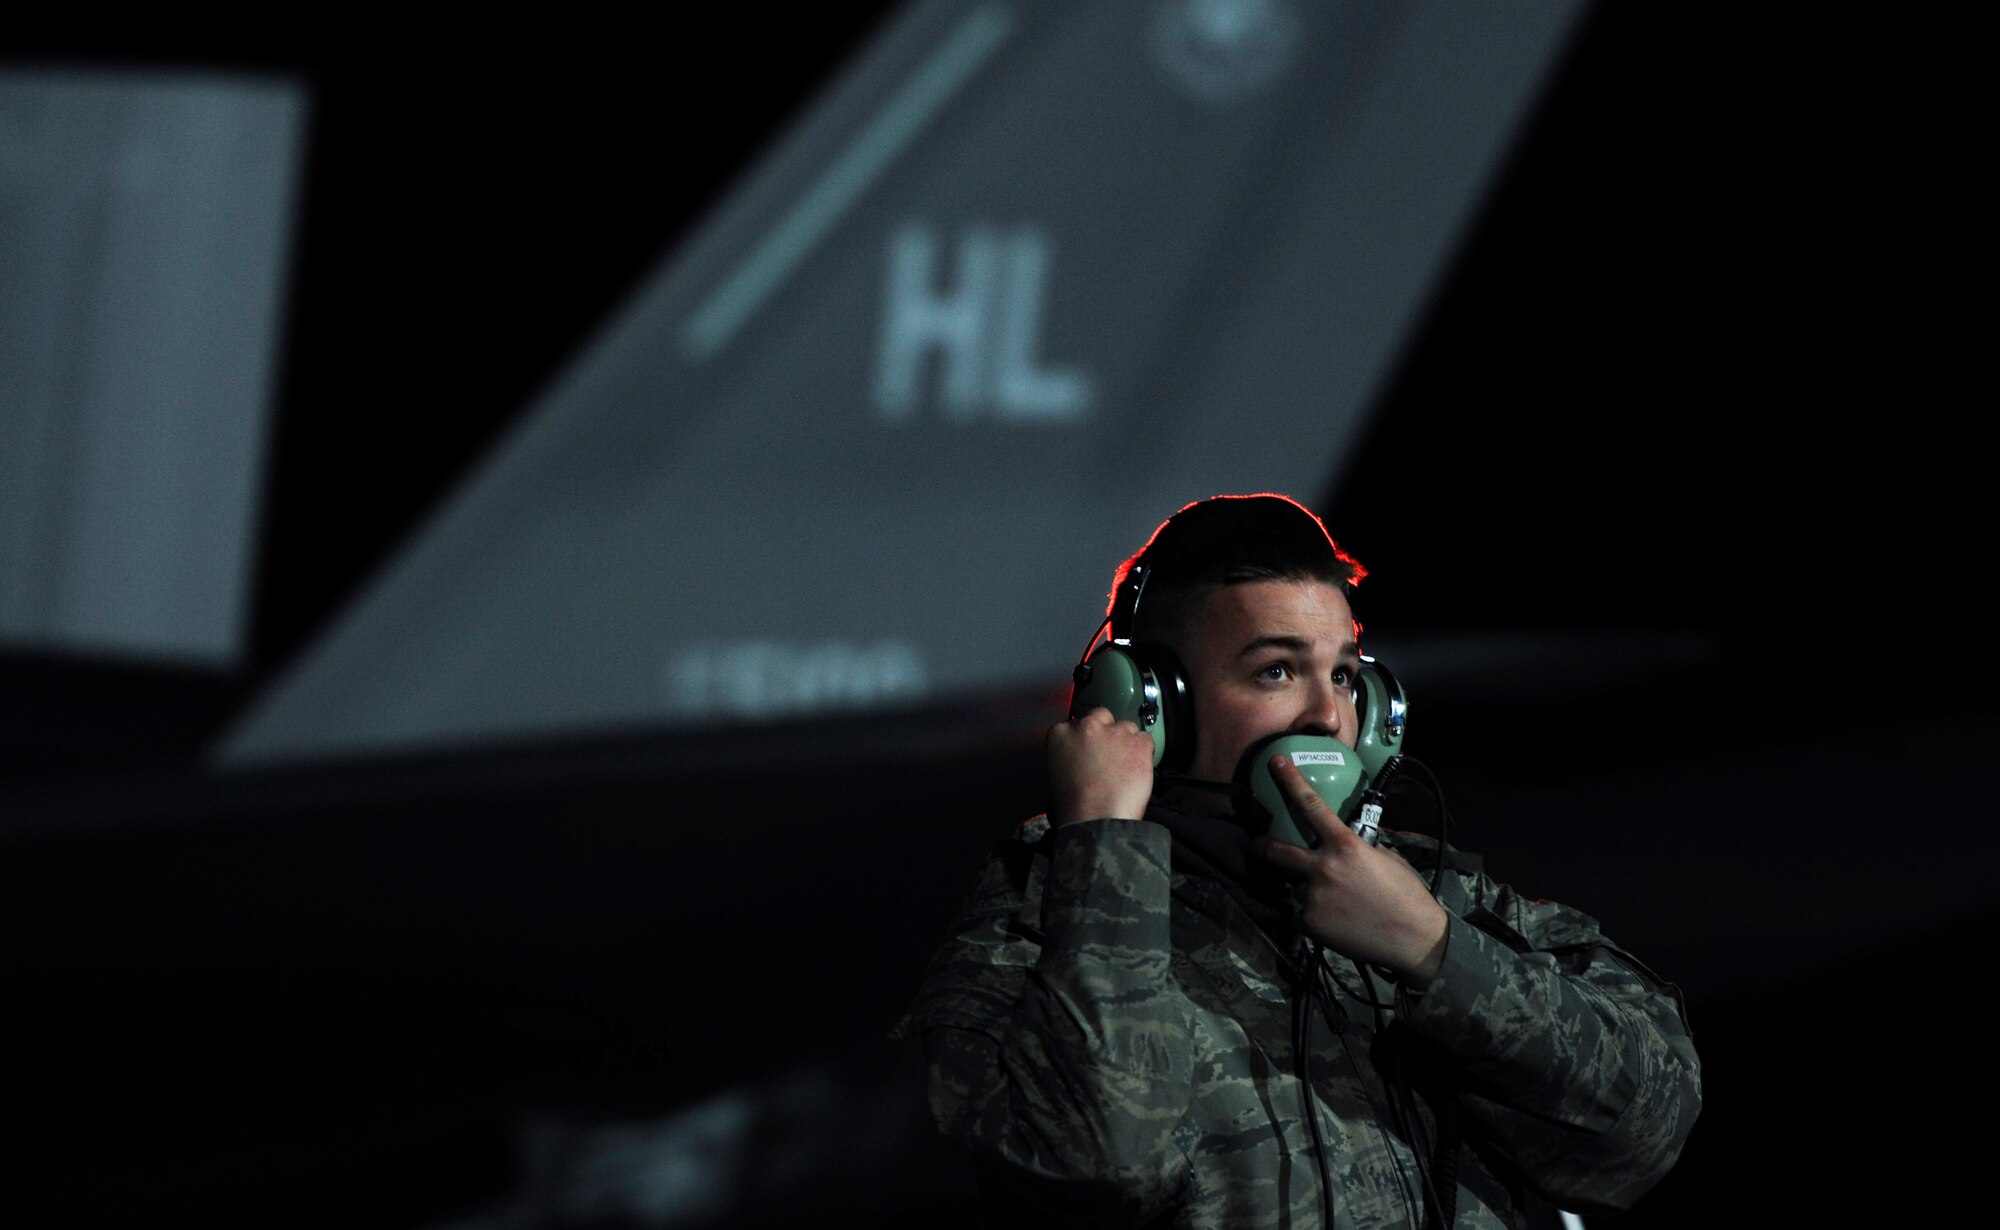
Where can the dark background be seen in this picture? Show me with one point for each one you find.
(1706, 367)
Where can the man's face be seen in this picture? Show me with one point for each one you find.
(1264, 658)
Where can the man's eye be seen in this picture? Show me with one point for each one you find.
(1343, 676)
(1276, 672)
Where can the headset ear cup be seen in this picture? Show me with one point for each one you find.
(1380, 715)
(1117, 678)
(1145, 685)
(1176, 704)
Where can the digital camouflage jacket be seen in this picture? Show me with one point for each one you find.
(1116, 1044)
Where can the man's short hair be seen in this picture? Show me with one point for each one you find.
(1227, 540)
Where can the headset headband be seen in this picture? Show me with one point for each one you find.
(1125, 608)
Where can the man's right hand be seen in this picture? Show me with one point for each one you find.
(1099, 768)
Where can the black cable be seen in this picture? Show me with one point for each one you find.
(1400, 1105)
(1411, 1203)
(1304, 999)
(1442, 1186)
(1447, 1158)
(1094, 632)
(1444, 820)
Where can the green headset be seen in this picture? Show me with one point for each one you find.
(1146, 684)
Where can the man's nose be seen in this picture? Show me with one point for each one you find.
(1320, 714)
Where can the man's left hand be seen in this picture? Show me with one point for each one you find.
(1362, 901)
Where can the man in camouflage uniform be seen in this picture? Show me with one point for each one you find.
(1147, 1015)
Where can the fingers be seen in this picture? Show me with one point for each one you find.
(1294, 861)
(1100, 716)
(1099, 767)
(1312, 812)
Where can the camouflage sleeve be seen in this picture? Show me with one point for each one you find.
(1057, 1036)
(1574, 1060)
